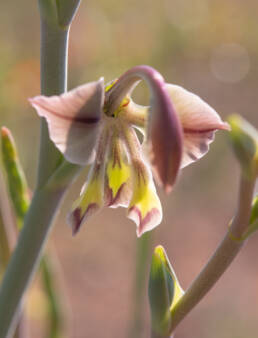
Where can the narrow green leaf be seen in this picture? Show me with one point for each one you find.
(55, 314)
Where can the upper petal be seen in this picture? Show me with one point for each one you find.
(199, 122)
(73, 120)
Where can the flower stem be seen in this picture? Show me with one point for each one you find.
(55, 313)
(221, 259)
(54, 43)
(25, 257)
(143, 252)
(47, 197)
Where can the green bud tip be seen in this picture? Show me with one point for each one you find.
(16, 180)
(244, 139)
(164, 291)
(8, 141)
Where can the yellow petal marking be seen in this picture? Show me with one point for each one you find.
(118, 174)
(144, 197)
(92, 194)
(109, 85)
(123, 103)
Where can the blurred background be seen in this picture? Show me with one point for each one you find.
(208, 46)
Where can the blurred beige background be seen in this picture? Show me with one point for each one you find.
(210, 48)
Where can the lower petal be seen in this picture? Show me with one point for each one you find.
(90, 201)
(196, 145)
(145, 207)
(118, 188)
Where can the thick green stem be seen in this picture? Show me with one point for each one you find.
(26, 255)
(54, 44)
(143, 252)
(47, 197)
(7, 241)
(222, 257)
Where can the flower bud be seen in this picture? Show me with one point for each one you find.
(164, 291)
(15, 176)
(253, 222)
(244, 139)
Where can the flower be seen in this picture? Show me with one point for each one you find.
(97, 125)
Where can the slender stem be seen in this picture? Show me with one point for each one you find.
(222, 257)
(7, 241)
(55, 317)
(143, 252)
(46, 198)
(53, 69)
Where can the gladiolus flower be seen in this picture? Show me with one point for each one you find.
(96, 125)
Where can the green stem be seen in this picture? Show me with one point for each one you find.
(46, 198)
(143, 252)
(7, 242)
(222, 257)
(53, 68)
(26, 255)
(54, 305)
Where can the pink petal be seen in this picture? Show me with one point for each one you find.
(76, 218)
(199, 122)
(147, 223)
(73, 120)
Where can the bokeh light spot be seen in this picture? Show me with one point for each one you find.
(230, 62)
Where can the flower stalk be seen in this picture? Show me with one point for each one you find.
(143, 250)
(223, 256)
(47, 197)
(19, 194)
(244, 140)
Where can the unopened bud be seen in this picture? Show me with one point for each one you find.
(164, 291)
(17, 184)
(244, 138)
